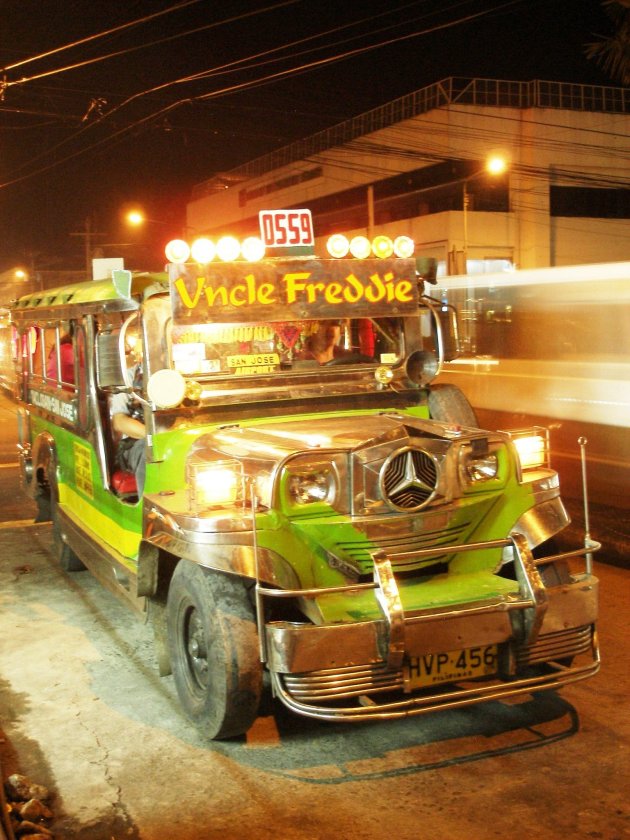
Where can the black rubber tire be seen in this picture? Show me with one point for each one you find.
(64, 555)
(213, 648)
(449, 405)
(44, 505)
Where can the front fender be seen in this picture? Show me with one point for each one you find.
(542, 522)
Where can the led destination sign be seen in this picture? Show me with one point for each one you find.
(313, 288)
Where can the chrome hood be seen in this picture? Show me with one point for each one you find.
(279, 440)
(388, 463)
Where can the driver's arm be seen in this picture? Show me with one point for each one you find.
(123, 424)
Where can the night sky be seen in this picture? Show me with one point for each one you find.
(91, 140)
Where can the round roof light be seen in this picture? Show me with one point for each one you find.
(203, 250)
(253, 249)
(228, 248)
(360, 247)
(337, 245)
(403, 246)
(177, 251)
(382, 247)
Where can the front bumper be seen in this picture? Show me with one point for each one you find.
(545, 636)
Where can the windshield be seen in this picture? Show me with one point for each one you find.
(267, 347)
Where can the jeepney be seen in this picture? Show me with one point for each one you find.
(336, 521)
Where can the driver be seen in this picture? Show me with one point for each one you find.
(323, 344)
(126, 413)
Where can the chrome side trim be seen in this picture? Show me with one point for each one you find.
(107, 565)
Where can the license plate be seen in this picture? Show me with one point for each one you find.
(452, 666)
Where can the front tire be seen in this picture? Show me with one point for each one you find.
(213, 648)
(65, 556)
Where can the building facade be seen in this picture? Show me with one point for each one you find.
(416, 166)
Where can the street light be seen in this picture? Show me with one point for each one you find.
(135, 218)
(495, 165)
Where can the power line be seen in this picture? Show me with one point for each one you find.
(95, 37)
(241, 86)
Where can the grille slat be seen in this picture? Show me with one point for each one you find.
(317, 688)
(359, 552)
(562, 645)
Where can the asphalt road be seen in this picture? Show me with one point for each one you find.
(83, 712)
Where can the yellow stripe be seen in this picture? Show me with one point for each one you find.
(106, 529)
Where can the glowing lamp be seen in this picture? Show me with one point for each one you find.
(496, 165)
(337, 245)
(135, 218)
(253, 249)
(382, 247)
(532, 446)
(214, 483)
(203, 250)
(360, 247)
(177, 251)
(228, 248)
(403, 246)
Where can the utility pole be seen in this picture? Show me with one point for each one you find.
(88, 235)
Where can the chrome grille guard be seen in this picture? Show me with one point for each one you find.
(387, 653)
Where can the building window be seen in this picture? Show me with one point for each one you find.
(589, 202)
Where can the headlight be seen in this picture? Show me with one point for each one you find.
(481, 469)
(215, 483)
(532, 446)
(316, 485)
(478, 463)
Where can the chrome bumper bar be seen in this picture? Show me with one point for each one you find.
(368, 708)
(332, 662)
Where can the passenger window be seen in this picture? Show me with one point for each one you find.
(60, 358)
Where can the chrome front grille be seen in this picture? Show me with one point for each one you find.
(359, 552)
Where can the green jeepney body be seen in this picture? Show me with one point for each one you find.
(397, 557)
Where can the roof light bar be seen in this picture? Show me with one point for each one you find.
(361, 248)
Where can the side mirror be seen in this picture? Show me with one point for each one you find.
(449, 329)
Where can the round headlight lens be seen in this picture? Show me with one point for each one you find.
(482, 469)
(308, 487)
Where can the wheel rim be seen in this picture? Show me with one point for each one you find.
(196, 648)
